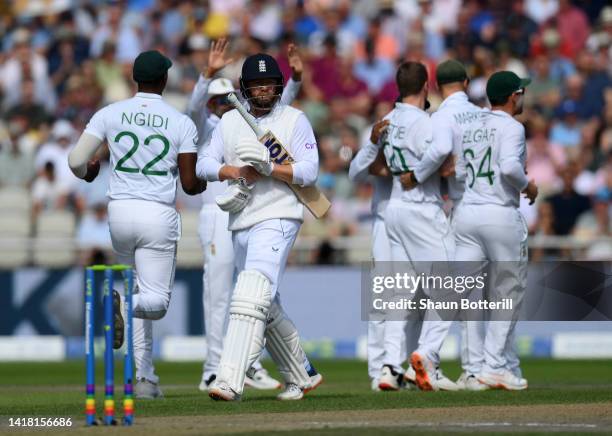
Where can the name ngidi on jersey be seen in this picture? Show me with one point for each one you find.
(145, 136)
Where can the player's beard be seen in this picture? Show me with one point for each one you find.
(519, 104)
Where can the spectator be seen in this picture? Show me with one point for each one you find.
(595, 83)
(47, 192)
(560, 67)
(544, 158)
(541, 10)
(567, 131)
(27, 107)
(113, 29)
(567, 205)
(573, 26)
(385, 46)
(56, 151)
(24, 64)
(16, 167)
(373, 71)
(263, 20)
(93, 236)
(519, 29)
(109, 75)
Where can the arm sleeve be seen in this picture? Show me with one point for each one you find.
(96, 125)
(512, 144)
(360, 165)
(210, 159)
(438, 150)
(290, 91)
(84, 150)
(196, 108)
(305, 153)
(188, 139)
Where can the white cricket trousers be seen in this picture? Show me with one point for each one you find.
(498, 234)
(145, 234)
(218, 281)
(420, 234)
(385, 338)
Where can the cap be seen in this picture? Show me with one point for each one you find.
(150, 66)
(220, 86)
(450, 71)
(62, 129)
(568, 107)
(197, 41)
(606, 15)
(504, 83)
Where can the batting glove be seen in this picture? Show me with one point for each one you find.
(235, 198)
(256, 154)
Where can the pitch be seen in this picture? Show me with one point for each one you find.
(563, 396)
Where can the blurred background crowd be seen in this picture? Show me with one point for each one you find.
(61, 60)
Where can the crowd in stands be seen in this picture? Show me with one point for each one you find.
(62, 60)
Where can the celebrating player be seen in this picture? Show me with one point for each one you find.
(384, 337)
(207, 105)
(454, 117)
(488, 223)
(426, 236)
(264, 218)
(147, 139)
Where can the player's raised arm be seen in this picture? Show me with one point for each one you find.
(294, 83)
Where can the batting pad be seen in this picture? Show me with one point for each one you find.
(245, 332)
(283, 344)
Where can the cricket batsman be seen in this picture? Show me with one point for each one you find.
(207, 105)
(264, 217)
(149, 141)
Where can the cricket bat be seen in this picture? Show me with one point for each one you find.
(310, 196)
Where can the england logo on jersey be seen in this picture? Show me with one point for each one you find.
(262, 66)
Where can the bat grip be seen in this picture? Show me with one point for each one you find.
(250, 119)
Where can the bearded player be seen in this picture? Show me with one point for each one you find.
(417, 226)
(207, 105)
(148, 141)
(265, 217)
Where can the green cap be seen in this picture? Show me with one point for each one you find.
(150, 66)
(504, 83)
(450, 71)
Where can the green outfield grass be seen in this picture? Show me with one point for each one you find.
(57, 390)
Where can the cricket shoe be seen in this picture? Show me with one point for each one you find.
(390, 380)
(293, 392)
(118, 320)
(260, 379)
(220, 390)
(374, 385)
(469, 382)
(147, 390)
(410, 378)
(428, 377)
(505, 380)
(206, 383)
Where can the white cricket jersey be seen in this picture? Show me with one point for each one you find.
(405, 141)
(206, 122)
(271, 198)
(455, 115)
(145, 136)
(359, 171)
(493, 156)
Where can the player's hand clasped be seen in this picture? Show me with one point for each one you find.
(255, 154)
